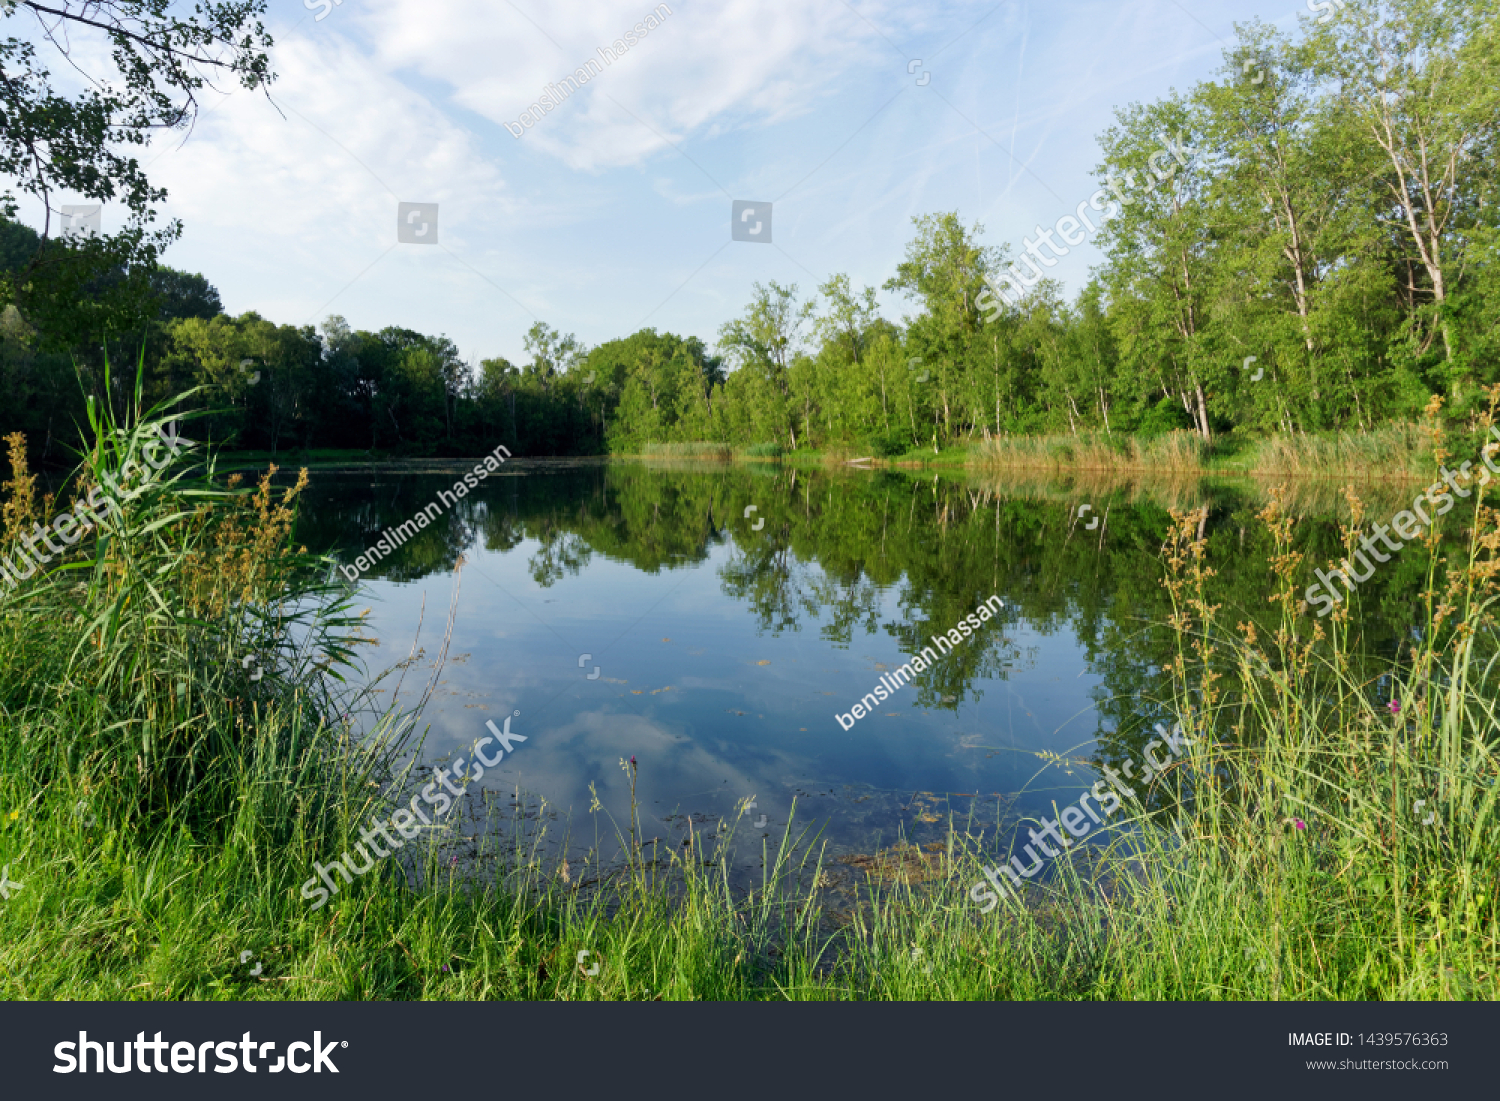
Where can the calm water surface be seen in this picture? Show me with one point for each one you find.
(632, 610)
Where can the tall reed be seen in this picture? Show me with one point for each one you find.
(700, 449)
(1178, 453)
(1392, 451)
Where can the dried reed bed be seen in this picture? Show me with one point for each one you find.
(1401, 452)
(708, 449)
(692, 449)
(1180, 453)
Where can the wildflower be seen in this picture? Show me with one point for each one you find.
(632, 762)
(1394, 706)
(1301, 825)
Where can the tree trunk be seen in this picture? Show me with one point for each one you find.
(885, 412)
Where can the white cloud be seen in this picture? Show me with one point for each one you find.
(299, 205)
(705, 66)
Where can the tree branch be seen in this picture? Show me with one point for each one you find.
(65, 14)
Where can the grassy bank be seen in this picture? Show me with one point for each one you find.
(163, 802)
(1401, 452)
(1397, 452)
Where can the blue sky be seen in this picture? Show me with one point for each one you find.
(613, 211)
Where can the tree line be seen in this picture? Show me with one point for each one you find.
(1325, 258)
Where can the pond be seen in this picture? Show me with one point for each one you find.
(720, 623)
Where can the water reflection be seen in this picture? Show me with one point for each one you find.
(713, 621)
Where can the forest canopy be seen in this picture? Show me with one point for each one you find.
(1327, 257)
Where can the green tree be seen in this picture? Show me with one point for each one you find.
(763, 344)
(53, 144)
(946, 269)
(1421, 79)
(552, 353)
(1160, 256)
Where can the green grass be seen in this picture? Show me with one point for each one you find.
(700, 449)
(206, 797)
(770, 449)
